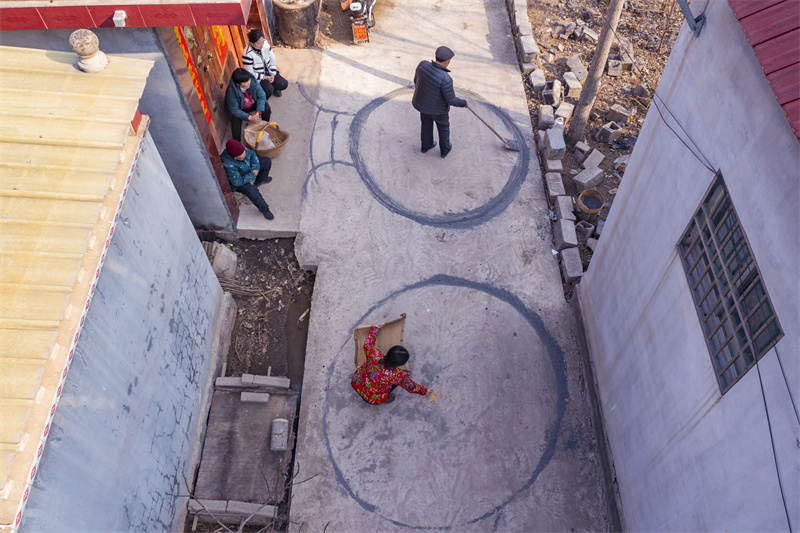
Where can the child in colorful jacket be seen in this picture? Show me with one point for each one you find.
(379, 375)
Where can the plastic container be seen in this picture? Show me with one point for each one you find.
(588, 204)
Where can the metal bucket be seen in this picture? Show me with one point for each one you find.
(589, 203)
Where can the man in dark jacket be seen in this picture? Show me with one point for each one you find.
(243, 96)
(433, 96)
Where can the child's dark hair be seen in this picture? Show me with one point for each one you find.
(395, 356)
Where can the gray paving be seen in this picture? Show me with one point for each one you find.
(463, 246)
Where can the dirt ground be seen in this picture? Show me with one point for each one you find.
(651, 26)
(273, 296)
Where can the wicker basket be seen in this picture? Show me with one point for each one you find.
(253, 135)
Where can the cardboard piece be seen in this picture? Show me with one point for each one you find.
(391, 334)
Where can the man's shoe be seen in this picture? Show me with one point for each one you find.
(277, 93)
(262, 181)
(432, 146)
(268, 214)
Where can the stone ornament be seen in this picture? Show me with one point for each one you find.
(87, 46)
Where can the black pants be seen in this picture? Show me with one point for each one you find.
(236, 123)
(443, 125)
(251, 189)
(279, 84)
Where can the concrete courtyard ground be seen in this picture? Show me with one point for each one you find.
(462, 245)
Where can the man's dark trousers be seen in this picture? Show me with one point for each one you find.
(442, 125)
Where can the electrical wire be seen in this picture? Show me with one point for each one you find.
(787, 385)
(704, 161)
(774, 455)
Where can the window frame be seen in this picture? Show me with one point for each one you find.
(726, 325)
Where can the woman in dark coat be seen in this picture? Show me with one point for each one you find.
(245, 95)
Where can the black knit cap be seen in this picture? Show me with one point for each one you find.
(255, 35)
(443, 54)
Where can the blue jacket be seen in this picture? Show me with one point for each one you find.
(240, 172)
(234, 98)
(433, 90)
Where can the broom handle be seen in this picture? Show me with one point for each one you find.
(487, 124)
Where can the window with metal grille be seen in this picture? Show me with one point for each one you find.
(732, 303)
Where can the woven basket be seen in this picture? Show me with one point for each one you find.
(254, 138)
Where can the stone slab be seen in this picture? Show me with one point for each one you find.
(564, 235)
(572, 87)
(582, 147)
(575, 65)
(619, 114)
(614, 68)
(527, 48)
(594, 159)
(571, 266)
(537, 79)
(608, 133)
(254, 397)
(589, 178)
(564, 111)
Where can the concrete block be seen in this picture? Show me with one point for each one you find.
(254, 397)
(593, 159)
(572, 85)
(565, 209)
(564, 234)
(553, 165)
(599, 229)
(555, 186)
(591, 244)
(546, 118)
(212, 506)
(539, 134)
(571, 267)
(584, 229)
(230, 382)
(582, 147)
(576, 66)
(621, 163)
(537, 79)
(614, 68)
(554, 143)
(521, 5)
(520, 17)
(527, 50)
(279, 440)
(589, 178)
(224, 261)
(246, 509)
(551, 94)
(527, 68)
(248, 378)
(272, 381)
(608, 133)
(589, 35)
(548, 57)
(524, 28)
(625, 53)
(564, 111)
(641, 92)
(619, 114)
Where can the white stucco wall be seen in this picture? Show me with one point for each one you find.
(686, 457)
(130, 415)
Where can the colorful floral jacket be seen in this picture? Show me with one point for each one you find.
(373, 381)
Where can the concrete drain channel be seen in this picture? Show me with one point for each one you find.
(244, 477)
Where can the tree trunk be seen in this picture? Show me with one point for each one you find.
(592, 85)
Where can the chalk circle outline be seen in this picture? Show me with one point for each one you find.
(463, 219)
(557, 362)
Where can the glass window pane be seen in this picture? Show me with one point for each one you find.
(748, 356)
(766, 337)
(759, 317)
(753, 296)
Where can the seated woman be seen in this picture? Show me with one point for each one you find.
(379, 375)
(243, 96)
(245, 170)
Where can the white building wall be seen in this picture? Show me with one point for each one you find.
(686, 457)
(129, 419)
